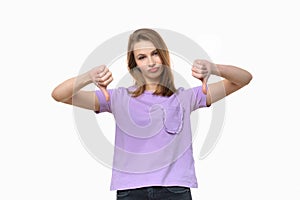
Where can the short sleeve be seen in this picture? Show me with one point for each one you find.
(105, 106)
(198, 98)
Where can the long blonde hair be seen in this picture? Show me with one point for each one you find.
(166, 85)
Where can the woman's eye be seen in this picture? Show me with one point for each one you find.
(141, 58)
(155, 53)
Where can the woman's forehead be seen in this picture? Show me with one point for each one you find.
(143, 45)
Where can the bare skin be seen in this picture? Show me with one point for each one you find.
(149, 62)
(71, 92)
(234, 79)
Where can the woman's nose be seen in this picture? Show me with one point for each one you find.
(151, 61)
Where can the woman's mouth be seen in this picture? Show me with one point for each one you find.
(154, 69)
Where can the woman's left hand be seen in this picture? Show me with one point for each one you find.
(201, 70)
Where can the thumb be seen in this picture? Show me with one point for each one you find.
(105, 92)
(204, 85)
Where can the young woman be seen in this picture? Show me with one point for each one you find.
(153, 157)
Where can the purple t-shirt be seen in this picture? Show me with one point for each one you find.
(153, 141)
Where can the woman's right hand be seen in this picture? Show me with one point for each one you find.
(101, 77)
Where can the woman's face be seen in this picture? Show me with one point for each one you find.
(148, 61)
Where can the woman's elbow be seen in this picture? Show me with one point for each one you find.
(55, 95)
(246, 78)
(249, 78)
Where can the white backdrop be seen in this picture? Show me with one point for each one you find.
(44, 43)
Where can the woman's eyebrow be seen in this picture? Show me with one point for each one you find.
(143, 54)
(140, 54)
(150, 52)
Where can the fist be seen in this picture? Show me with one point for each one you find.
(201, 70)
(101, 77)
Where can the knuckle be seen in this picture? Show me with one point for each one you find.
(102, 67)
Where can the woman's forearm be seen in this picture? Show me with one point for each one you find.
(233, 74)
(70, 87)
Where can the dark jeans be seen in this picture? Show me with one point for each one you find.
(155, 193)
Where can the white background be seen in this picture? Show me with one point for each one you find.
(44, 43)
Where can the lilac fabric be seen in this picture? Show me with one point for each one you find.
(153, 141)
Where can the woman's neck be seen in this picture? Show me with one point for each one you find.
(151, 87)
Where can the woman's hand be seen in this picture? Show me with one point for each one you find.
(101, 77)
(234, 78)
(201, 70)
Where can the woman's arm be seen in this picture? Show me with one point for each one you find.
(234, 79)
(70, 92)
